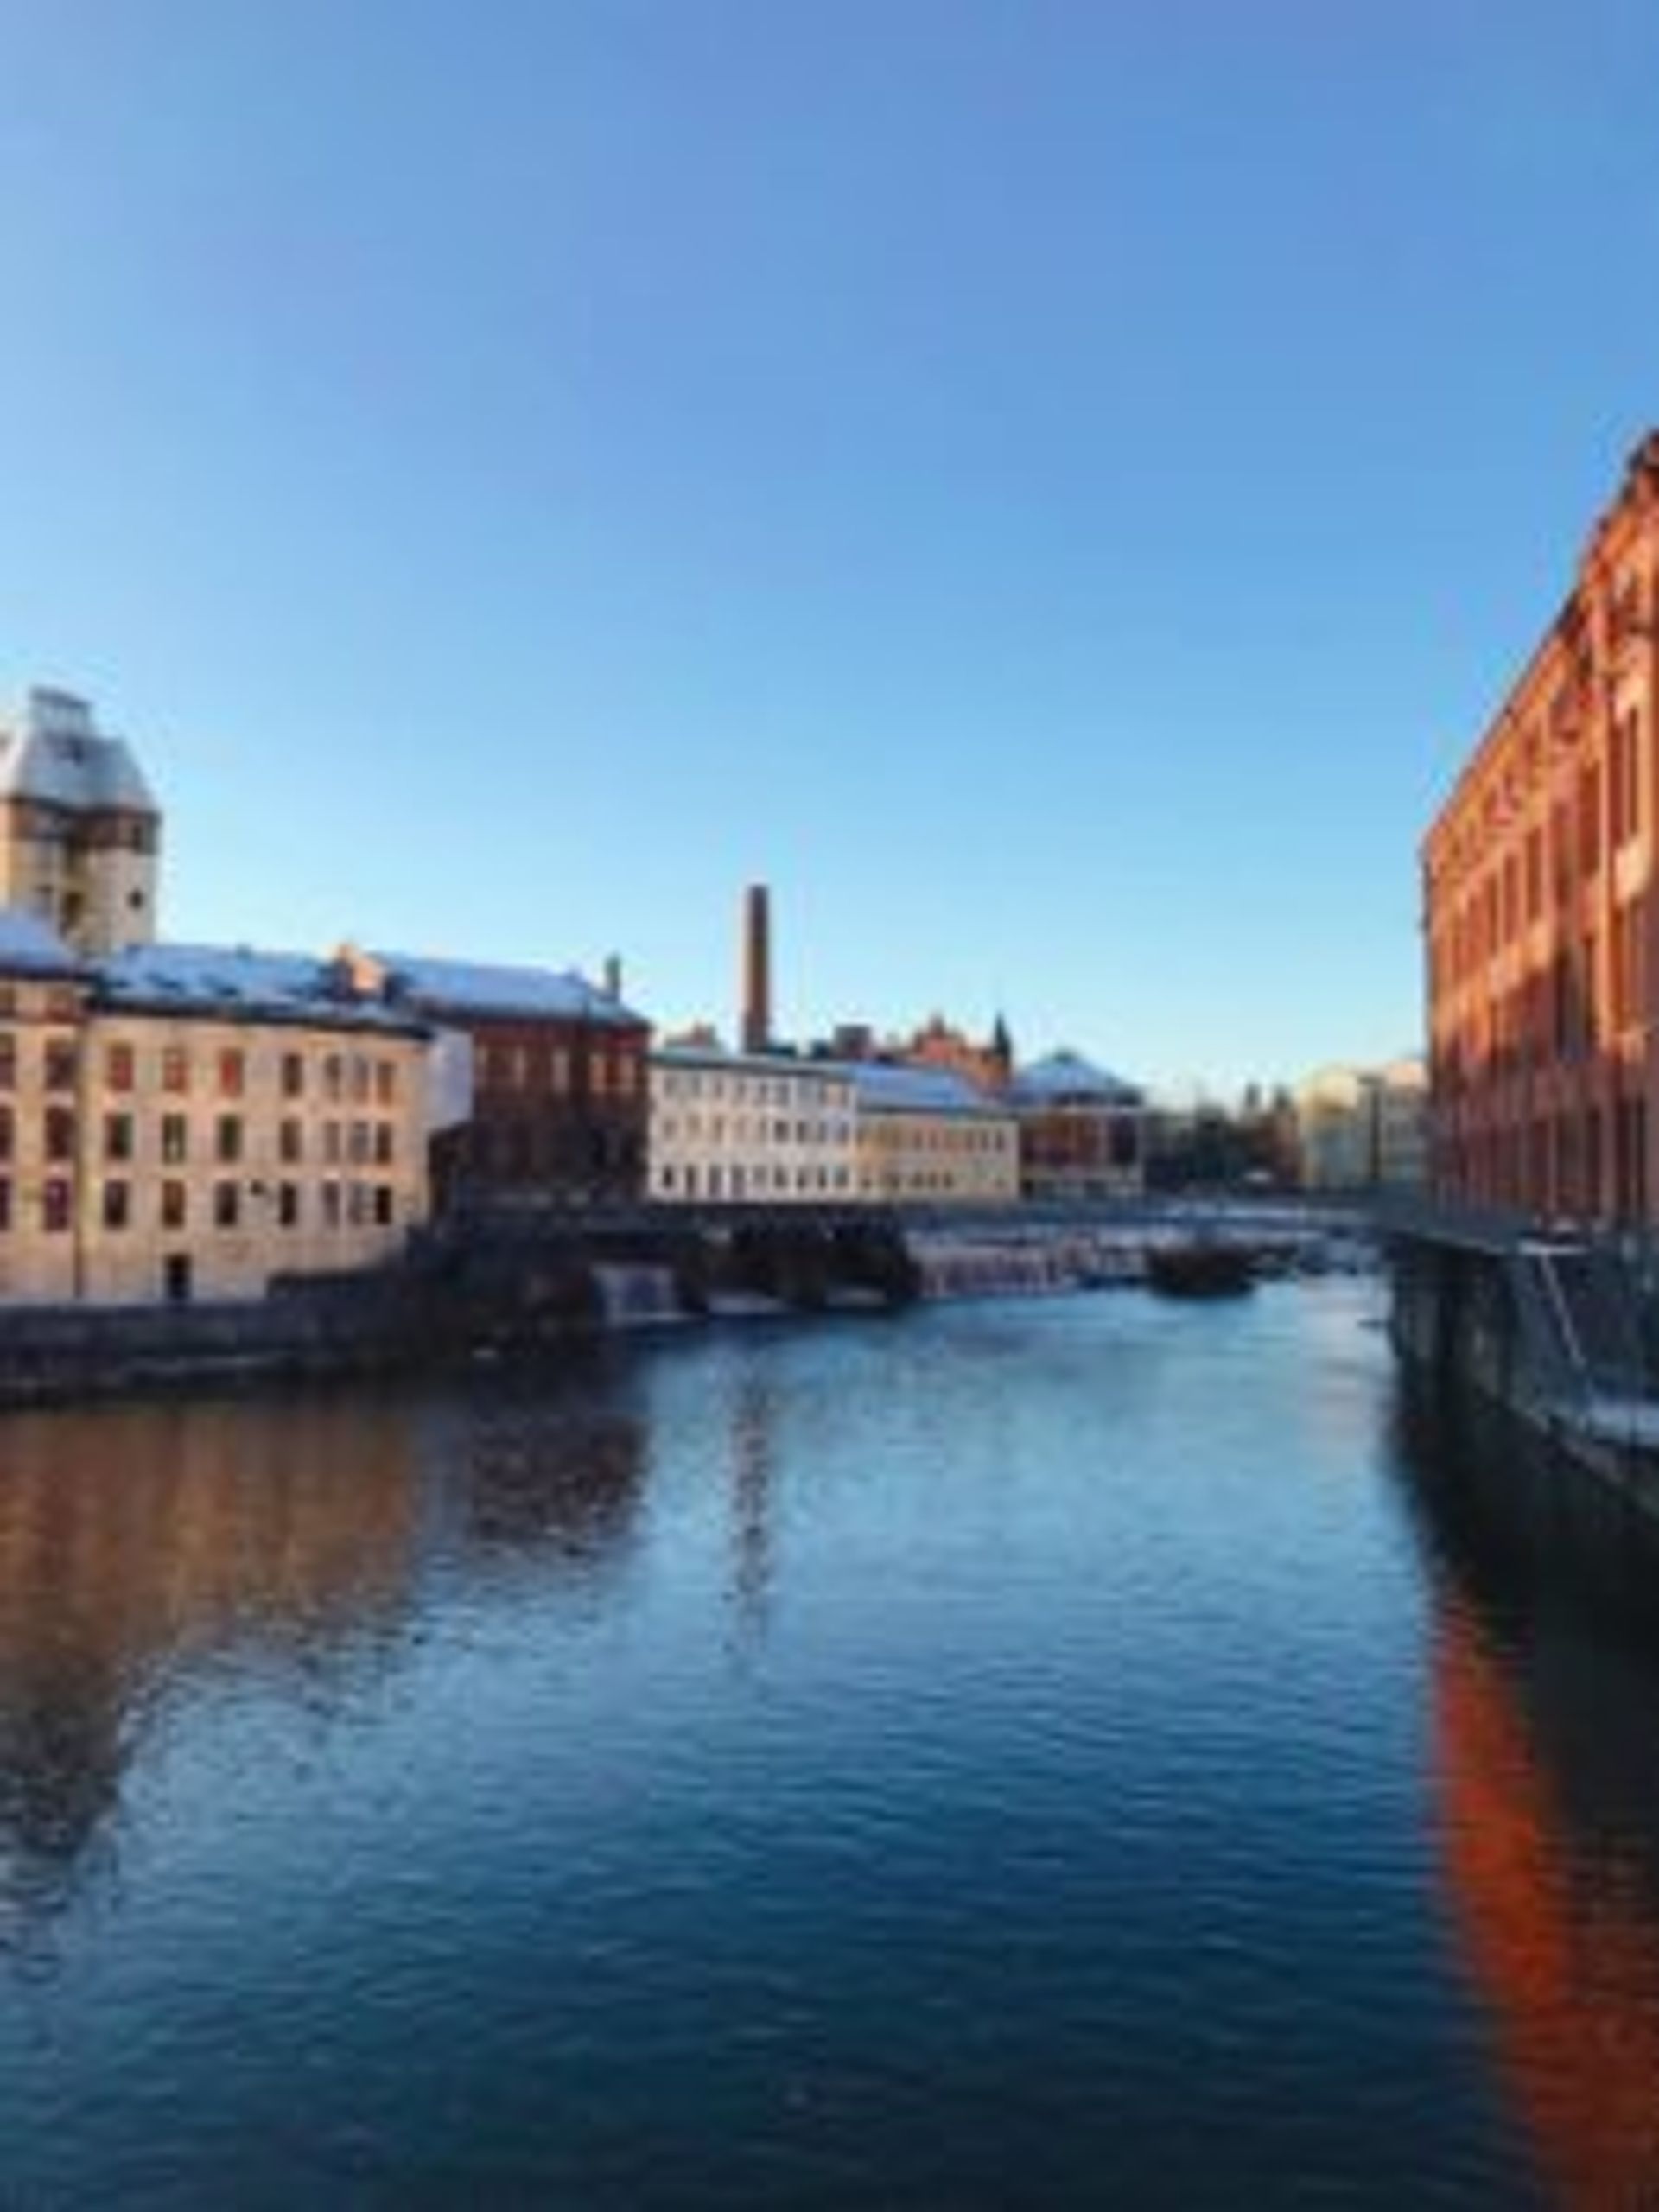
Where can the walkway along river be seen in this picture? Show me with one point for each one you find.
(1057, 1751)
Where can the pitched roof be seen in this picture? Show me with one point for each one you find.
(51, 751)
(1063, 1077)
(881, 1087)
(234, 980)
(29, 947)
(464, 987)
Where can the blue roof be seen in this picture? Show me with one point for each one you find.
(473, 987)
(234, 980)
(1064, 1077)
(29, 947)
(880, 1086)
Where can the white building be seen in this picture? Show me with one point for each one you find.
(1363, 1127)
(749, 1128)
(79, 832)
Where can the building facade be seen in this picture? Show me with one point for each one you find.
(1363, 1128)
(747, 1129)
(1539, 910)
(1082, 1132)
(926, 1136)
(558, 1087)
(79, 832)
(185, 1122)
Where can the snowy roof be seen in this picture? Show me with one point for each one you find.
(463, 987)
(51, 751)
(27, 946)
(233, 981)
(1064, 1077)
(881, 1087)
(717, 1055)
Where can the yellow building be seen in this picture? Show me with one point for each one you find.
(182, 1122)
(927, 1137)
(79, 832)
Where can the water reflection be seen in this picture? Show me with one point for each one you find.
(754, 1454)
(142, 1547)
(1546, 1717)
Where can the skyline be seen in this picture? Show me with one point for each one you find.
(1058, 500)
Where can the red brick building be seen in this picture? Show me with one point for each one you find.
(1540, 910)
(556, 1106)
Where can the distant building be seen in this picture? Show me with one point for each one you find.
(1540, 911)
(558, 1084)
(187, 1121)
(1362, 1128)
(747, 1129)
(928, 1137)
(79, 832)
(1082, 1131)
(988, 1065)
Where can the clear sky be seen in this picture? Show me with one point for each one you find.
(1053, 485)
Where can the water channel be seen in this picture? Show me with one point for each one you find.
(1068, 1752)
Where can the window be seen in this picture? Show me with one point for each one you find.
(175, 1138)
(118, 1205)
(119, 1066)
(232, 1072)
(8, 1061)
(331, 1147)
(59, 1062)
(288, 1205)
(60, 1133)
(383, 1205)
(8, 1133)
(227, 1141)
(383, 1145)
(227, 1204)
(385, 1082)
(360, 1076)
(5, 1202)
(176, 1070)
(117, 1137)
(291, 1142)
(331, 1205)
(359, 1143)
(333, 1076)
(174, 1207)
(56, 1206)
(293, 1075)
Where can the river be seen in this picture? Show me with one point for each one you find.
(1071, 1751)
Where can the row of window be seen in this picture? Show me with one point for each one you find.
(359, 1143)
(747, 1129)
(514, 1067)
(716, 1181)
(793, 1091)
(943, 1136)
(1570, 1163)
(232, 1206)
(338, 1077)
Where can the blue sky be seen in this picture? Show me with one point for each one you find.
(1054, 488)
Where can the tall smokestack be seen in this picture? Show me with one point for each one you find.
(757, 969)
(614, 976)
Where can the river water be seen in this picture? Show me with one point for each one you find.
(1078, 1752)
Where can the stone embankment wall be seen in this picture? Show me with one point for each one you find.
(453, 1300)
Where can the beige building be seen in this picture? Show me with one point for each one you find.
(79, 832)
(737, 1127)
(181, 1123)
(926, 1136)
(1363, 1128)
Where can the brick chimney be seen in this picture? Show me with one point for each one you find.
(757, 969)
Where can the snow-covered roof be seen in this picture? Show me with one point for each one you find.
(29, 947)
(51, 751)
(232, 981)
(717, 1055)
(1064, 1077)
(879, 1087)
(464, 987)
